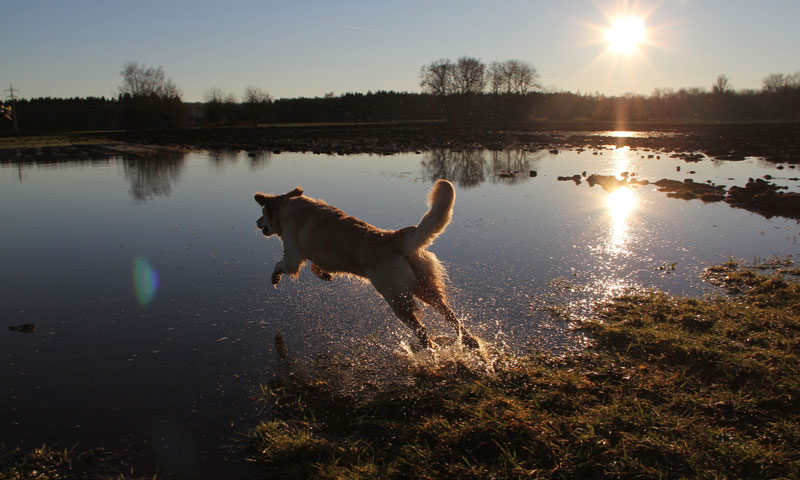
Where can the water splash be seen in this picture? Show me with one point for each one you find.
(145, 281)
(448, 354)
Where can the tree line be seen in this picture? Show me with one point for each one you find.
(462, 91)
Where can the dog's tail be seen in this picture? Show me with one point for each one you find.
(441, 199)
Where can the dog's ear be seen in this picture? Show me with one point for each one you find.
(261, 198)
(295, 193)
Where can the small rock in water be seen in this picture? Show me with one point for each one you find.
(23, 328)
(280, 346)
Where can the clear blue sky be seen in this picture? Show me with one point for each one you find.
(66, 48)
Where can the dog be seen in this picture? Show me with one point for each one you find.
(395, 262)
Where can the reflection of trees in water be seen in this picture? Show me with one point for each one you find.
(259, 159)
(222, 158)
(152, 177)
(470, 168)
(465, 168)
(513, 166)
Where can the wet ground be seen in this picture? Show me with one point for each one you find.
(777, 142)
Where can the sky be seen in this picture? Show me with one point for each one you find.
(298, 48)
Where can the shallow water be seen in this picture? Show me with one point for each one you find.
(148, 283)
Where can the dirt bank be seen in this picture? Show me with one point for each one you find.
(777, 142)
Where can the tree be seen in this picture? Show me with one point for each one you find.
(256, 95)
(438, 77)
(512, 76)
(469, 76)
(722, 86)
(776, 82)
(143, 81)
(256, 104)
(220, 107)
(148, 99)
(213, 105)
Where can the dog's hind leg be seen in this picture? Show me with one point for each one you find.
(394, 280)
(322, 274)
(406, 310)
(440, 304)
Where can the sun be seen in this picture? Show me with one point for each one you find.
(625, 34)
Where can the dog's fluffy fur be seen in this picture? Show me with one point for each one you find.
(394, 261)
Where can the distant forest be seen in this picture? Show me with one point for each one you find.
(459, 92)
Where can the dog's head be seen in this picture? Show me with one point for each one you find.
(269, 221)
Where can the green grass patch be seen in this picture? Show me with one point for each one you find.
(671, 388)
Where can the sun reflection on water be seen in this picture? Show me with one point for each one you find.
(620, 203)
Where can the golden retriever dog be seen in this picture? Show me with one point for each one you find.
(395, 262)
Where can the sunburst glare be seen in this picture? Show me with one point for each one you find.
(626, 34)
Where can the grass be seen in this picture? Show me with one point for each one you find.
(64, 139)
(672, 388)
(48, 463)
(41, 463)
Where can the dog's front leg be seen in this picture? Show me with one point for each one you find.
(276, 273)
(290, 263)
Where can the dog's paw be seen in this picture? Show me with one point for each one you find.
(276, 277)
(419, 347)
(326, 276)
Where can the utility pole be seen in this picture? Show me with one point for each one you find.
(13, 99)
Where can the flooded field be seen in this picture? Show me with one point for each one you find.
(137, 299)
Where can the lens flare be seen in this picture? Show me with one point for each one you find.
(145, 281)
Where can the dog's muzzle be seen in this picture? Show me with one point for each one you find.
(263, 225)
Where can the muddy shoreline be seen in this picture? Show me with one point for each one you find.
(775, 142)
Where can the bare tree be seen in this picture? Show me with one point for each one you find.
(256, 105)
(255, 95)
(219, 106)
(437, 77)
(469, 76)
(722, 86)
(148, 99)
(512, 76)
(213, 107)
(143, 81)
(214, 95)
(498, 78)
(775, 82)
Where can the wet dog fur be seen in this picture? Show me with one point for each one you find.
(395, 262)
